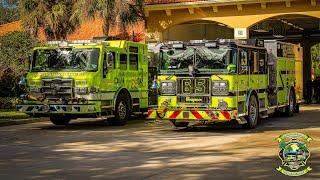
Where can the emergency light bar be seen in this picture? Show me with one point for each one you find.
(211, 44)
(54, 42)
(82, 41)
(74, 42)
(198, 41)
(224, 41)
(176, 44)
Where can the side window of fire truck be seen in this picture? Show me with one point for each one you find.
(123, 61)
(111, 59)
(133, 58)
(253, 61)
(262, 62)
(243, 62)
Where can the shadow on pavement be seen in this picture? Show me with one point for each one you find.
(142, 150)
(307, 118)
(141, 157)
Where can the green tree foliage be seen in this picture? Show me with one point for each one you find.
(315, 53)
(315, 56)
(54, 16)
(8, 11)
(14, 51)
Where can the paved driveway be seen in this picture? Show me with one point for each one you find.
(147, 150)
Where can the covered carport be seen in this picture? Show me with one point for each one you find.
(293, 28)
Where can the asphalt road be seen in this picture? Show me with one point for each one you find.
(148, 150)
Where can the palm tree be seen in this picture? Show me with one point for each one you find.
(61, 17)
(54, 16)
(121, 13)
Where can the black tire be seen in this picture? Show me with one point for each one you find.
(253, 113)
(60, 120)
(122, 111)
(297, 108)
(180, 124)
(291, 107)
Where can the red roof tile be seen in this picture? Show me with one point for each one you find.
(87, 30)
(10, 27)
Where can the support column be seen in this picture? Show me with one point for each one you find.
(307, 62)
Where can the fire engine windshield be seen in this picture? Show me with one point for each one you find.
(204, 59)
(66, 59)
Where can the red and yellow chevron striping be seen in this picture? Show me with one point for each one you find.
(192, 115)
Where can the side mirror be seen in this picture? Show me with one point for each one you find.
(107, 63)
(191, 69)
(232, 68)
(22, 83)
(111, 61)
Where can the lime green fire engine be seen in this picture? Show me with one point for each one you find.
(223, 80)
(76, 79)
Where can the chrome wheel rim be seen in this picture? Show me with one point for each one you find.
(122, 110)
(253, 112)
(291, 103)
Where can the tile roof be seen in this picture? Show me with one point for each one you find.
(87, 30)
(10, 27)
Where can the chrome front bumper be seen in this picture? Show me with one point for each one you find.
(57, 109)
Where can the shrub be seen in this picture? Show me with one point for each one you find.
(7, 102)
(14, 51)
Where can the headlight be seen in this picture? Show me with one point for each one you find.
(168, 87)
(35, 83)
(220, 87)
(22, 82)
(35, 89)
(81, 90)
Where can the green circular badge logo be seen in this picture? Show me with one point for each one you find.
(294, 154)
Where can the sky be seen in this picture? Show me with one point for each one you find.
(5, 4)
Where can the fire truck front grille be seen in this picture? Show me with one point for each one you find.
(57, 88)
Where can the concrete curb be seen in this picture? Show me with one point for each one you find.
(11, 122)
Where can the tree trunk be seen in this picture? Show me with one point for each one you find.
(106, 26)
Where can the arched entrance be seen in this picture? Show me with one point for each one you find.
(201, 29)
(293, 28)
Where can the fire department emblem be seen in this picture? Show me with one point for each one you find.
(162, 110)
(294, 154)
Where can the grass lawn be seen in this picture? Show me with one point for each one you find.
(12, 114)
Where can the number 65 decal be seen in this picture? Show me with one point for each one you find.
(193, 86)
